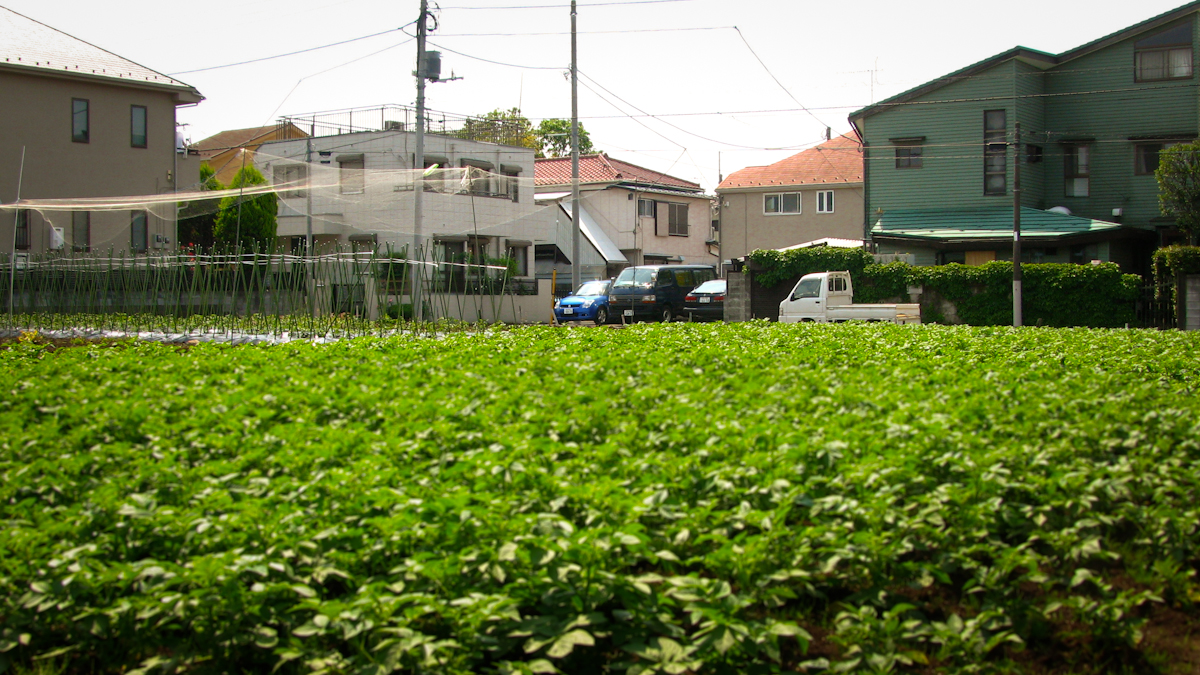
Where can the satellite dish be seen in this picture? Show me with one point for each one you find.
(1060, 209)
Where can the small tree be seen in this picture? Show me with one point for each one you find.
(248, 222)
(197, 219)
(554, 136)
(1178, 177)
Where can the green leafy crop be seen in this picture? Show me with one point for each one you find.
(679, 498)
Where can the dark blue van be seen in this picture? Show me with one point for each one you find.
(649, 292)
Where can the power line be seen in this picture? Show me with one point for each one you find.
(589, 32)
(589, 4)
(302, 51)
(785, 89)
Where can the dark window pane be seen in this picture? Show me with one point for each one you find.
(22, 238)
(791, 203)
(137, 120)
(80, 132)
(137, 231)
(994, 185)
(994, 120)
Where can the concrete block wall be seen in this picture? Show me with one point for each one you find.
(737, 297)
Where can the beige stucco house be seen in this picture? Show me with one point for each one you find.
(92, 124)
(812, 195)
(633, 215)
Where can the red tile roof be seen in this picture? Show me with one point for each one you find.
(601, 168)
(836, 161)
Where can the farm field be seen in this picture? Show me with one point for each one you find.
(682, 498)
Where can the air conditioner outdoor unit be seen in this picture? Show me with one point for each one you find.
(393, 125)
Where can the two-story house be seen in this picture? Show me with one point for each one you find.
(636, 216)
(940, 158)
(478, 202)
(89, 124)
(815, 194)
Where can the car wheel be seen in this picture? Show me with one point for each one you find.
(601, 316)
(667, 314)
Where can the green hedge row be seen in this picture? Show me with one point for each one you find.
(1055, 294)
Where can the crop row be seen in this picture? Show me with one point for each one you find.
(658, 499)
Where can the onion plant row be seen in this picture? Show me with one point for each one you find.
(747, 498)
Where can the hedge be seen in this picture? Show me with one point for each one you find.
(1055, 294)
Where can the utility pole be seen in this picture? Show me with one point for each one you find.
(1017, 318)
(308, 193)
(575, 281)
(720, 222)
(419, 169)
(12, 256)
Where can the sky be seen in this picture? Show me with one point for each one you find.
(694, 88)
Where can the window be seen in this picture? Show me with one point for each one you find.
(786, 203)
(453, 256)
(81, 231)
(22, 237)
(646, 208)
(1077, 169)
(137, 232)
(1164, 56)
(80, 121)
(294, 175)
(479, 178)
(350, 176)
(678, 226)
(1146, 156)
(908, 155)
(995, 153)
(1033, 154)
(513, 179)
(825, 201)
(137, 126)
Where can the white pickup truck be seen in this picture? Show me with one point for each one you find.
(828, 296)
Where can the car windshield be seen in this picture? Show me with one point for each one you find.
(807, 288)
(634, 276)
(714, 286)
(593, 288)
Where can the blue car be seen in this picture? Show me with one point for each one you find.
(588, 303)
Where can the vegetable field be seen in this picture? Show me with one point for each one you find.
(747, 498)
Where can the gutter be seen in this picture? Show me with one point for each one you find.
(180, 90)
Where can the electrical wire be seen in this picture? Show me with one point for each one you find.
(302, 51)
(588, 32)
(785, 89)
(582, 4)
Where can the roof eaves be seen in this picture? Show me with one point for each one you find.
(934, 85)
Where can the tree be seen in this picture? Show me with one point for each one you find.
(198, 218)
(506, 127)
(554, 139)
(1178, 177)
(250, 224)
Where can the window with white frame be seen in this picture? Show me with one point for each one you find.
(646, 208)
(678, 226)
(1166, 55)
(780, 204)
(1077, 169)
(825, 201)
(293, 175)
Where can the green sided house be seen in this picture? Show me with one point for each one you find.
(939, 159)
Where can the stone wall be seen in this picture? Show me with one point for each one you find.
(737, 296)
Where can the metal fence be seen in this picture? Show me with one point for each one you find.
(1156, 307)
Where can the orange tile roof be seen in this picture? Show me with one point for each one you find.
(835, 161)
(236, 138)
(600, 168)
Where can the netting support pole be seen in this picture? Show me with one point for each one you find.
(12, 257)
(419, 165)
(575, 215)
(309, 289)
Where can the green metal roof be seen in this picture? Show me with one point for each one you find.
(987, 223)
